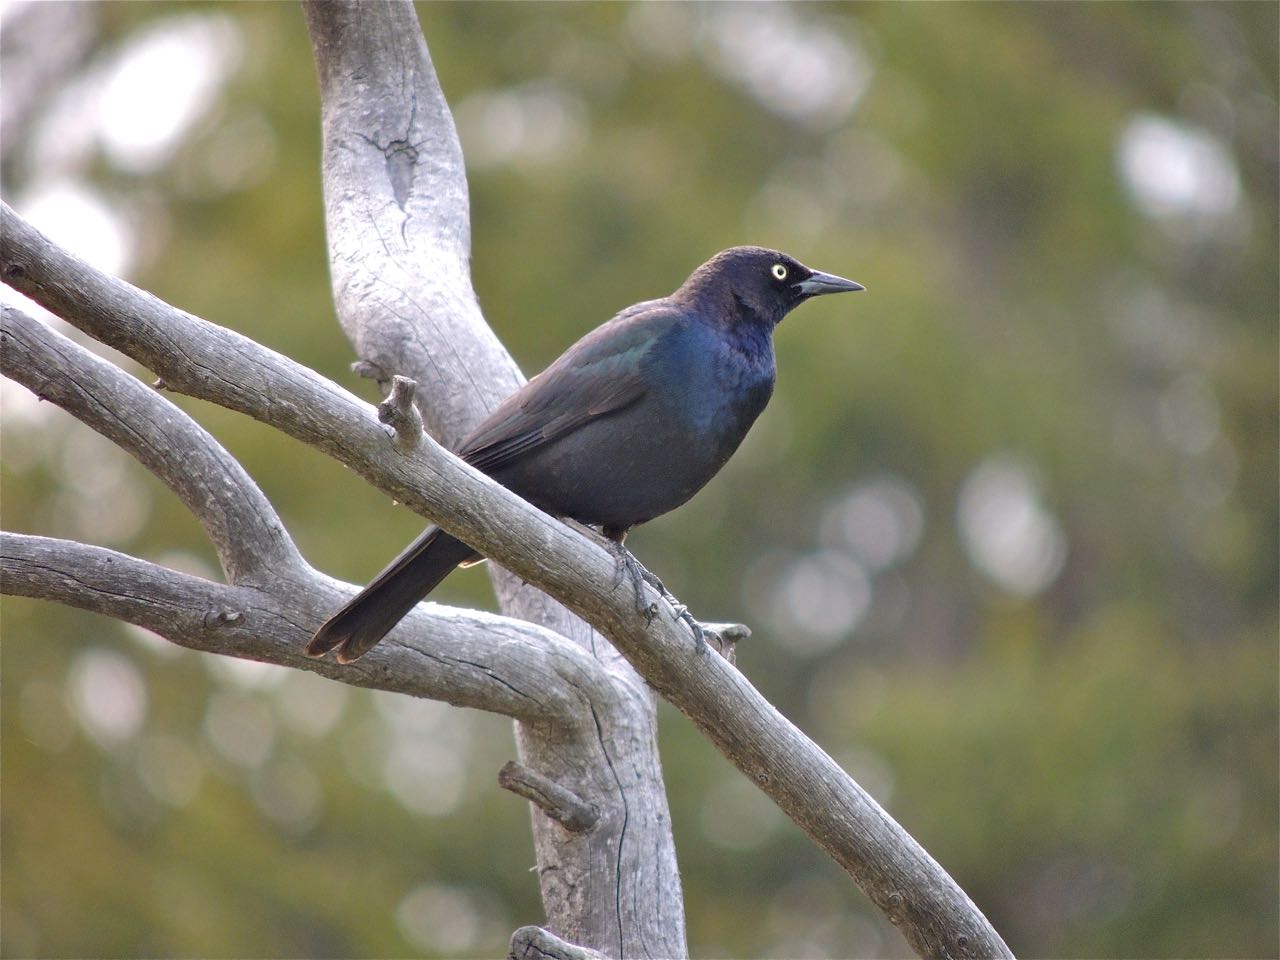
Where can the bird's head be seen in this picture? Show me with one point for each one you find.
(764, 284)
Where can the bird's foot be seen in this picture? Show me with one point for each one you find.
(629, 566)
(680, 611)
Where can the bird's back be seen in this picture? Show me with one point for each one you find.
(632, 420)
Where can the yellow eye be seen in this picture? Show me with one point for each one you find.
(779, 271)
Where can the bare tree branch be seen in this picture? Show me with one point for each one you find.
(535, 943)
(398, 215)
(250, 540)
(187, 352)
(399, 413)
(466, 658)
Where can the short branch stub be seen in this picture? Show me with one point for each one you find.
(399, 413)
(560, 804)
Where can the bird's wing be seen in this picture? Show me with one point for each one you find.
(600, 374)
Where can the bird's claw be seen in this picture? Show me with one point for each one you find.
(628, 565)
(699, 635)
(652, 580)
(681, 612)
(620, 570)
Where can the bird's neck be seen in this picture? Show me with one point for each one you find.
(722, 305)
(753, 341)
(748, 315)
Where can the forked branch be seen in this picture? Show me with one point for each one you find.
(935, 915)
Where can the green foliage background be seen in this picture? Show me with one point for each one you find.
(1094, 758)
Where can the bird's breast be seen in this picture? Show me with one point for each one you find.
(724, 383)
(701, 394)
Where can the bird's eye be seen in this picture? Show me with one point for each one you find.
(779, 271)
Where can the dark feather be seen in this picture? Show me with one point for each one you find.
(371, 613)
(602, 375)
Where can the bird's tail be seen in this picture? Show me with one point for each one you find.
(371, 614)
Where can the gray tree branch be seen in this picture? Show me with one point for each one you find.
(561, 804)
(535, 943)
(250, 540)
(399, 413)
(466, 658)
(398, 216)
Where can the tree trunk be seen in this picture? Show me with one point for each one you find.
(398, 220)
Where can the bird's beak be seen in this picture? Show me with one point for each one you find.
(819, 283)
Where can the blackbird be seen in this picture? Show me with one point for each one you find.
(628, 424)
